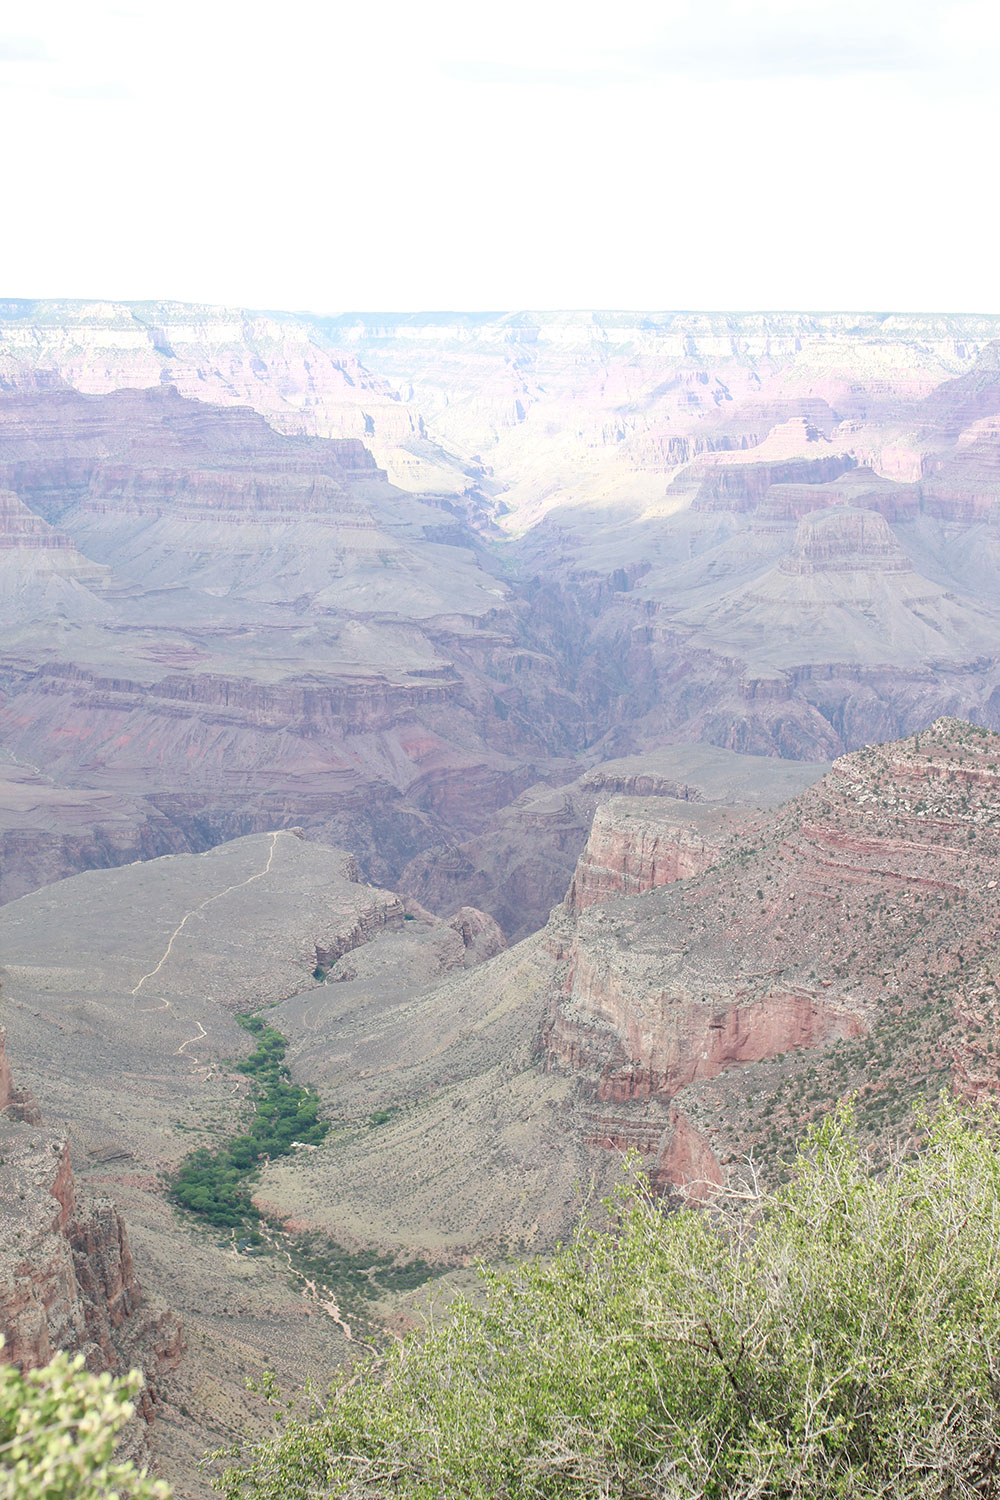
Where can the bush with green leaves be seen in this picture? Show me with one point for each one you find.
(214, 1183)
(58, 1426)
(838, 1337)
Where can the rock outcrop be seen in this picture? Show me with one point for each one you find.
(637, 843)
(840, 943)
(866, 909)
(67, 1277)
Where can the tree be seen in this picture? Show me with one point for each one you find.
(58, 1426)
(839, 1337)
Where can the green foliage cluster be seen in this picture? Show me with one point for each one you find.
(357, 1277)
(839, 1337)
(57, 1435)
(214, 1184)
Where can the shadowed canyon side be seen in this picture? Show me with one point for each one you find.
(519, 867)
(272, 633)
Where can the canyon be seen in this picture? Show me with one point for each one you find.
(718, 974)
(417, 568)
(573, 733)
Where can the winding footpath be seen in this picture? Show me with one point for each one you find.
(236, 886)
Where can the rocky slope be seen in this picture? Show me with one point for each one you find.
(67, 1276)
(48, 832)
(135, 974)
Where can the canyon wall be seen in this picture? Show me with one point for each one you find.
(855, 927)
(67, 1277)
(775, 535)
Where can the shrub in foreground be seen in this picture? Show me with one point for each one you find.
(838, 1338)
(58, 1427)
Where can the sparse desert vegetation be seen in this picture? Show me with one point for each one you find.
(836, 1337)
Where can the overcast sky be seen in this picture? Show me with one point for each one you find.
(716, 154)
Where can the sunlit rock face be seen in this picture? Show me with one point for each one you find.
(867, 905)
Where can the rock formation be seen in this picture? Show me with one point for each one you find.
(863, 910)
(67, 1276)
(841, 943)
(774, 535)
(719, 976)
(637, 843)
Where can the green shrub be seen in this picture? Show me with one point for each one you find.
(837, 1338)
(57, 1435)
(214, 1183)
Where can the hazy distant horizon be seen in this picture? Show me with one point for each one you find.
(435, 313)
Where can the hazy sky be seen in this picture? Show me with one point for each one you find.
(673, 154)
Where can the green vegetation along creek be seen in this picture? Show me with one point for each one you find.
(215, 1183)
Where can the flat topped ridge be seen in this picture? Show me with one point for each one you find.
(845, 539)
(159, 423)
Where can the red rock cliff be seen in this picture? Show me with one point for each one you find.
(637, 843)
(67, 1278)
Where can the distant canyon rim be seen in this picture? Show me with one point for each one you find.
(395, 578)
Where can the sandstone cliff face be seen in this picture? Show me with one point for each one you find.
(857, 927)
(638, 843)
(67, 1278)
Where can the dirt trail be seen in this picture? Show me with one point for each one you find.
(327, 1304)
(236, 886)
(201, 1032)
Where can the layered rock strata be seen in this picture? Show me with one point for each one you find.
(636, 844)
(262, 630)
(866, 908)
